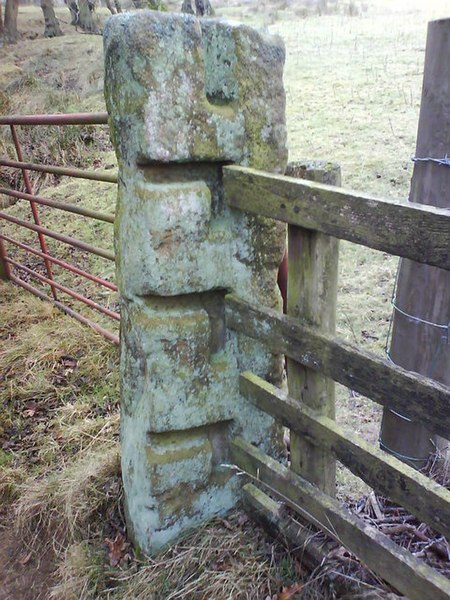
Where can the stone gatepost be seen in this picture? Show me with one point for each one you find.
(184, 97)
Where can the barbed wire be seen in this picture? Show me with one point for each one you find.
(443, 341)
(440, 161)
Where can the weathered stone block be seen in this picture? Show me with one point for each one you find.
(179, 457)
(184, 96)
(179, 245)
(167, 367)
(182, 89)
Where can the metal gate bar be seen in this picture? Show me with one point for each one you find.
(34, 209)
(58, 261)
(55, 170)
(66, 309)
(73, 208)
(66, 290)
(8, 264)
(61, 237)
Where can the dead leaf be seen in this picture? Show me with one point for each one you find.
(288, 593)
(31, 410)
(116, 549)
(25, 558)
(68, 362)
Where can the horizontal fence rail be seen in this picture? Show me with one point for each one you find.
(61, 263)
(73, 208)
(413, 231)
(66, 239)
(67, 310)
(412, 395)
(386, 474)
(317, 215)
(66, 290)
(55, 170)
(10, 268)
(398, 566)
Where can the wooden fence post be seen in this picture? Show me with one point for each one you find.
(311, 297)
(4, 266)
(421, 308)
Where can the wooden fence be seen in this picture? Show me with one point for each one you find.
(315, 212)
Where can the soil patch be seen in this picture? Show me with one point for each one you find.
(24, 576)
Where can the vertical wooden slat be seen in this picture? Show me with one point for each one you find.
(312, 290)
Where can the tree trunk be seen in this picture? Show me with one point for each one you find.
(117, 5)
(1, 21)
(110, 7)
(74, 11)
(202, 7)
(208, 8)
(52, 28)
(422, 314)
(10, 24)
(186, 7)
(87, 18)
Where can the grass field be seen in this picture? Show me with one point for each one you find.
(353, 83)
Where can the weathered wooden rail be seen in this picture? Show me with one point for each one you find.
(414, 231)
(314, 212)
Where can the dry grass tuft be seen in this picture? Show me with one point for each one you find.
(60, 477)
(80, 574)
(11, 477)
(58, 383)
(73, 573)
(32, 341)
(70, 505)
(228, 558)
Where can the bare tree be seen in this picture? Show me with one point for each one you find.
(186, 7)
(202, 7)
(52, 28)
(113, 8)
(89, 21)
(74, 11)
(10, 33)
(152, 4)
(110, 7)
(84, 15)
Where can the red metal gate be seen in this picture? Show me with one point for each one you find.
(16, 271)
